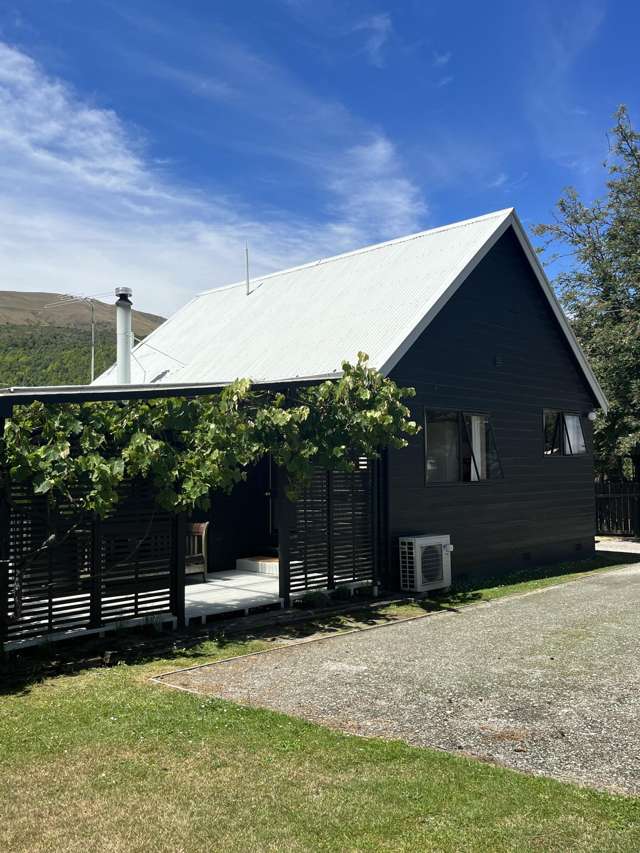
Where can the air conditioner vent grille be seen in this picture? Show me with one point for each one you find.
(431, 563)
(407, 565)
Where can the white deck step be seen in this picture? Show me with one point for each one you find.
(259, 565)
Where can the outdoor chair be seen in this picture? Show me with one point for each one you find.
(195, 562)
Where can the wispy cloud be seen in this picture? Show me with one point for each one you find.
(84, 205)
(499, 181)
(444, 81)
(441, 59)
(200, 85)
(506, 183)
(563, 131)
(369, 182)
(378, 28)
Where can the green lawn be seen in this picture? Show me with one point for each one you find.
(105, 760)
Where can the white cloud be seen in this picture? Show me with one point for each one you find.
(560, 38)
(499, 181)
(441, 59)
(378, 28)
(201, 85)
(503, 181)
(84, 207)
(370, 183)
(444, 81)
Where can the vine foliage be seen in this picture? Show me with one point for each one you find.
(191, 447)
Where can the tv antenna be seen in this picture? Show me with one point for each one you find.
(246, 263)
(67, 299)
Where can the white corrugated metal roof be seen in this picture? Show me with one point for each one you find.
(307, 320)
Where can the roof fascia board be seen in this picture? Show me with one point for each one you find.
(547, 289)
(10, 397)
(412, 335)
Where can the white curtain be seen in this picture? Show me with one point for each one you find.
(479, 446)
(574, 436)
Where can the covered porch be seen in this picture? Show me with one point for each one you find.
(131, 567)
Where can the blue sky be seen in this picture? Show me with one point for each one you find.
(144, 141)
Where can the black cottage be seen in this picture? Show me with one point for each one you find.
(500, 476)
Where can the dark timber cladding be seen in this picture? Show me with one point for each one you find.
(496, 348)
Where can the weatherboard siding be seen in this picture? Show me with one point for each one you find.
(497, 348)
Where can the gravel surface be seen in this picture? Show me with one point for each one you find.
(547, 682)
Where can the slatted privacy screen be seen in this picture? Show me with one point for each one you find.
(333, 538)
(95, 573)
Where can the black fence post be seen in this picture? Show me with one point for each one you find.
(178, 572)
(635, 461)
(330, 537)
(374, 494)
(4, 553)
(284, 566)
(284, 512)
(96, 572)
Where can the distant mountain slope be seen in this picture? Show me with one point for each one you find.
(31, 309)
(52, 346)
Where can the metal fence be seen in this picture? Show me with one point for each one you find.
(618, 507)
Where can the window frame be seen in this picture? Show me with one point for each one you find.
(564, 435)
(462, 437)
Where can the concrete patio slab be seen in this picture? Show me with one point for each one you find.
(229, 592)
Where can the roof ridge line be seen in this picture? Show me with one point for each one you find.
(364, 249)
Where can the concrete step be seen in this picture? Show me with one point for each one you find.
(260, 565)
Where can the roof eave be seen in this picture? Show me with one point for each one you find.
(10, 397)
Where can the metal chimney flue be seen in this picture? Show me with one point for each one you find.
(124, 335)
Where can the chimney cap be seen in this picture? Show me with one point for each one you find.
(123, 292)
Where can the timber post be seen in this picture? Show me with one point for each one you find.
(284, 513)
(96, 572)
(635, 460)
(178, 570)
(4, 548)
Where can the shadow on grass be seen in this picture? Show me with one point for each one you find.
(20, 671)
(602, 560)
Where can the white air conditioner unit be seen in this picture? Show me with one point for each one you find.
(425, 563)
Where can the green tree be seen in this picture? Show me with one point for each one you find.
(600, 289)
(52, 355)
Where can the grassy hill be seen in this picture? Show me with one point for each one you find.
(43, 345)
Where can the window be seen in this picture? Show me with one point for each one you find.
(459, 447)
(563, 434)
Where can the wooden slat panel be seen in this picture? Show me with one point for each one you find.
(98, 573)
(332, 542)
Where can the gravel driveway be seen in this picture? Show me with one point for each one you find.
(547, 682)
